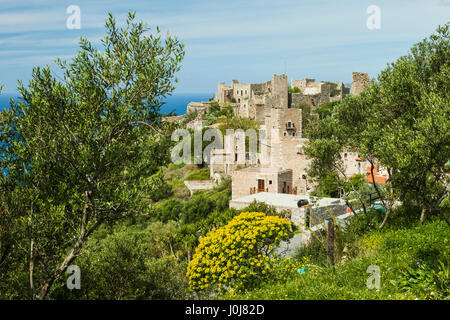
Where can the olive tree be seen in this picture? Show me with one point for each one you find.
(79, 150)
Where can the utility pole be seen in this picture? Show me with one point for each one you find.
(330, 238)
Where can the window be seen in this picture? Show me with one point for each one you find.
(284, 134)
(270, 181)
(304, 176)
(293, 134)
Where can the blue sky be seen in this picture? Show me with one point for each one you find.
(245, 40)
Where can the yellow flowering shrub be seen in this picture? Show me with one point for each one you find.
(241, 254)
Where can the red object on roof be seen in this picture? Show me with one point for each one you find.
(378, 177)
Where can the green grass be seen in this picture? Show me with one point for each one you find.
(413, 260)
(198, 174)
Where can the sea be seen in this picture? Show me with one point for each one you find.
(177, 102)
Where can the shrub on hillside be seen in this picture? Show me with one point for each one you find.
(241, 254)
(197, 208)
(167, 210)
(201, 174)
(126, 265)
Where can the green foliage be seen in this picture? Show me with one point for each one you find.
(79, 152)
(214, 108)
(226, 112)
(327, 187)
(240, 254)
(159, 188)
(333, 88)
(237, 123)
(129, 264)
(294, 90)
(197, 208)
(167, 210)
(400, 120)
(326, 109)
(269, 210)
(188, 117)
(413, 260)
(173, 166)
(199, 174)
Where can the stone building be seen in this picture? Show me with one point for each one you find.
(359, 82)
(199, 107)
(248, 181)
(281, 138)
(281, 141)
(312, 93)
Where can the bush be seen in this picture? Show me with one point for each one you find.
(168, 210)
(413, 261)
(241, 254)
(122, 266)
(200, 174)
(197, 208)
(158, 187)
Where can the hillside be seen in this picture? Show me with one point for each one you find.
(412, 259)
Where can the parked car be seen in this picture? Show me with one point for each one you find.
(378, 206)
(302, 202)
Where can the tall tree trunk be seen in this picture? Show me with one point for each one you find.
(330, 241)
(31, 264)
(44, 290)
(444, 217)
(74, 253)
(358, 194)
(31, 267)
(375, 184)
(423, 215)
(390, 200)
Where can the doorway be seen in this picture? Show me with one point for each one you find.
(260, 185)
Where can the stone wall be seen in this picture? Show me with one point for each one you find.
(359, 82)
(245, 180)
(280, 90)
(295, 99)
(198, 107)
(302, 84)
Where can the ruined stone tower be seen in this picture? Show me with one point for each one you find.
(280, 90)
(359, 82)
